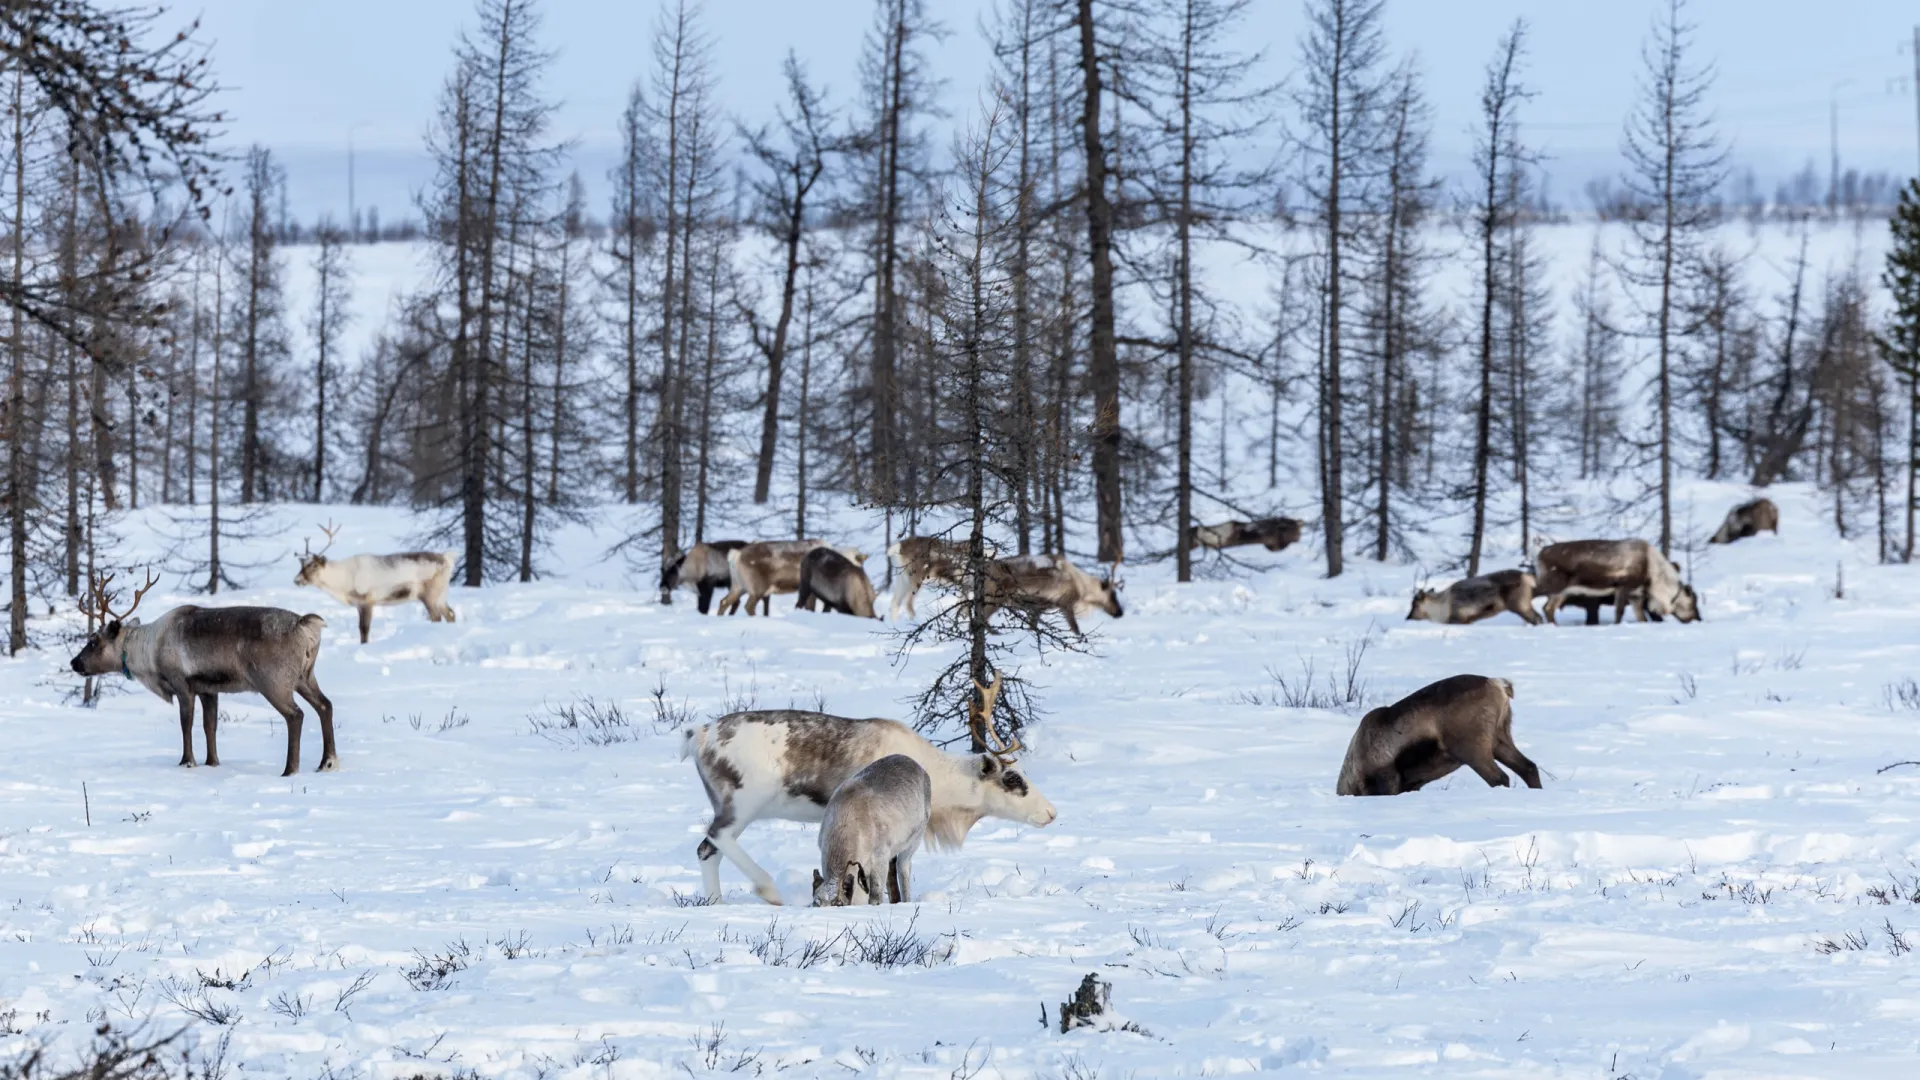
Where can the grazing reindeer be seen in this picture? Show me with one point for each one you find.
(920, 559)
(762, 569)
(1748, 519)
(873, 826)
(1274, 534)
(1464, 720)
(1632, 571)
(365, 582)
(703, 566)
(1039, 583)
(787, 764)
(836, 582)
(1478, 598)
(204, 652)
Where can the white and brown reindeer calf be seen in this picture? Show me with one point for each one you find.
(365, 582)
(1476, 598)
(787, 764)
(1274, 534)
(763, 569)
(874, 824)
(1034, 584)
(920, 559)
(1464, 720)
(204, 652)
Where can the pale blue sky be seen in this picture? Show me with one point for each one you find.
(303, 74)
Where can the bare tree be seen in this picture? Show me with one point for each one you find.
(333, 288)
(1497, 153)
(1675, 165)
(791, 173)
(1339, 101)
(1103, 356)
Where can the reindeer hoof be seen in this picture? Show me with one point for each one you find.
(291, 770)
(186, 763)
(213, 763)
(331, 764)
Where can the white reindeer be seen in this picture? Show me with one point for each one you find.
(369, 581)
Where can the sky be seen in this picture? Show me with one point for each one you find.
(1780, 73)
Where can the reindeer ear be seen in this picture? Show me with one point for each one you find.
(819, 883)
(989, 765)
(113, 629)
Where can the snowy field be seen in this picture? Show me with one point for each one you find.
(1717, 880)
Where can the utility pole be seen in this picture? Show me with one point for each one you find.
(353, 209)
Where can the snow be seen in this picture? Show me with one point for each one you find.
(1675, 903)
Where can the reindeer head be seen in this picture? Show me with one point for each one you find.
(1686, 605)
(313, 562)
(104, 653)
(1005, 792)
(854, 887)
(1110, 586)
(1421, 598)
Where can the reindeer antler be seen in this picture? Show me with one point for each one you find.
(1113, 571)
(103, 597)
(983, 717)
(331, 530)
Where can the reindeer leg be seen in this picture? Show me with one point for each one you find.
(1552, 611)
(186, 732)
(1479, 756)
(310, 690)
(1509, 755)
(705, 601)
(722, 837)
(1620, 607)
(366, 621)
(282, 703)
(210, 723)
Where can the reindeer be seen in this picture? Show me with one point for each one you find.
(919, 559)
(1274, 534)
(1748, 519)
(703, 566)
(1463, 720)
(1632, 571)
(832, 579)
(204, 652)
(1477, 598)
(365, 582)
(1034, 584)
(787, 764)
(874, 823)
(760, 570)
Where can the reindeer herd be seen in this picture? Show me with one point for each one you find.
(878, 789)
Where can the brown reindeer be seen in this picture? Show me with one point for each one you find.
(204, 652)
(1034, 584)
(1748, 519)
(1632, 571)
(1463, 720)
(703, 566)
(1478, 598)
(1274, 534)
(836, 583)
(761, 570)
(920, 559)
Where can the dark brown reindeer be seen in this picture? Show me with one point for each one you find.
(1274, 534)
(204, 652)
(1477, 598)
(1034, 584)
(704, 567)
(836, 583)
(1748, 519)
(1464, 720)
(1631, 571)
(766, 567)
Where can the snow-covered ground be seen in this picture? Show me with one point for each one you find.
(1716, 880)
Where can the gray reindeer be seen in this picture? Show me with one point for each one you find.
(204, 652)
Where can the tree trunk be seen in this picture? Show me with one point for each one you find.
(1103, 360)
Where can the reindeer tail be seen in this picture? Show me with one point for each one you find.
(1506, 686)
(687, 739)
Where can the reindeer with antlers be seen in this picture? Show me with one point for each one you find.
(1034, 584)
(194, 652)
(787, 764)
(365, 582)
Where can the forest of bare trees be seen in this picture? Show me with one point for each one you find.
(1017, 329)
